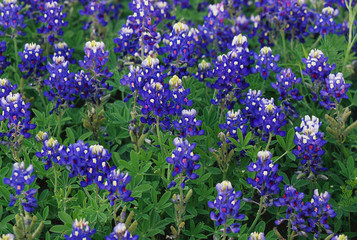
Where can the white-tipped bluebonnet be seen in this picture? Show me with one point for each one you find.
(33, 61)
(227, 206)
(81, 230)
(324, 22)
(256, 236)
(306, 217)
(20, 177)
(53, 20)
(6, 87)
(334, 90)
(266, 62)
(309, 142)
(266, 181)
(188, 124)
(184, 161)
(120, 232)
(10, 17)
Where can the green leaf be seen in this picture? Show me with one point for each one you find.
(70, 135)
(65, 218)
(164, 199)
(85, 136)
(45, 212)
(281, 142)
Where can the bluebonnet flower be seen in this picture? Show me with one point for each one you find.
(15, 110)
(41, 136)
(203, 71)
(32, 60)
(214, 30)
(50, 152)
(286, 79)
(228, 204)
(180, 48)
(120, 232)
(8, 236)
(266, 180)
(81, 230)
(53, 21)
(256, 236)
(6, 87)
(3, 62)
(116, 185)
(231, 70)
(266, 62)
(62, 49)
(20, 177)
(98, 11)
(62, 85)
(234, 120)
(324, 22)
(293, 16)
(184, 161)
(126, 43)
(251, 110)
(309, 142)
(335, 88)
(188, 124)
(95, 60)
(306, 217)
(316, 66)
(340, 237)
(182, 3)
(272, 118)
(10, 17)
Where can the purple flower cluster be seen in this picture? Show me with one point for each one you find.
(3, 62)
(180, 48)
(324, 22)
(88, 162)
(317, 67)
(61, 82)
(120, 232)
(62, 50)
(98, 10)
(204, 71)
(309, 142)
(231, 70)
(335, 89)
(234, 120)
(184, 161)
(81, 230)
(159, 101)
(95, 59)
(272, 119)
(33, 61)
(306, 217)
(227, 204)
(266, 180)
(188, 124)
(15, 110)
(53, 21)
(10, 17)
(266, 62)
(256, 236)
(6, 87)
(286, 79)
(20, 177)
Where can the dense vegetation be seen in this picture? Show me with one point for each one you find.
(178, 119)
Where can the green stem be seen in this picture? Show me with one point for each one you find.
(16, 53)
(351, 17)
(258, 215)
(284, 43)
(269, 141)
(56, 178)
(316, 42)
